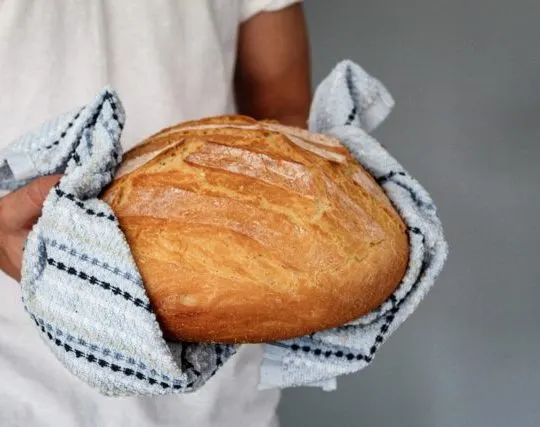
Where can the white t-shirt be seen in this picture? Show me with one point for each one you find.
(169, 60)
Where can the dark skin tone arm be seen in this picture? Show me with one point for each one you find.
(273, 79)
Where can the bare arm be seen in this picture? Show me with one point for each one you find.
(273, 78)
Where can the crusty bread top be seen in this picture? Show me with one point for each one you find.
(248, 231)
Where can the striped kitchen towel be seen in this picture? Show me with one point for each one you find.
(81, 286)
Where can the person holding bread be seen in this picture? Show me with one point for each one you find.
(170, 61)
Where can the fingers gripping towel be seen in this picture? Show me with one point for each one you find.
(82, 289)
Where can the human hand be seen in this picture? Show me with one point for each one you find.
(19, 211)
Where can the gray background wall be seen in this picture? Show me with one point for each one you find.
(466, 78)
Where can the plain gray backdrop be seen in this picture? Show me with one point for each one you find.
(465, 75)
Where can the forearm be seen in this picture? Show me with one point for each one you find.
(278, 106)
(286, 100)
(273, 73)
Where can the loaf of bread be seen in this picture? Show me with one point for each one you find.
(247, 231)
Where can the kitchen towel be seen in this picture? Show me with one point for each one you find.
(82, 288)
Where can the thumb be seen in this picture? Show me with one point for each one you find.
(20, 209)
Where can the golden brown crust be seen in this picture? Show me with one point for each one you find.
(248, 231)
